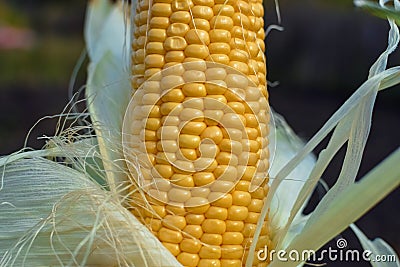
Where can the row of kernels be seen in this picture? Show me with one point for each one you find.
(138, 42)
(191, 122)
(235, 212)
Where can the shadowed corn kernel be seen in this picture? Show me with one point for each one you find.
(178, 29)
(189, 141)
(223, 10)
(225, 158)
(222, 186)
(159, 210)
(194, 76)
(256, 205)
(232, 238)
(202, 12)
(155, 61)
(197, 51)
(209, 3)
(213, 226)
(188, 153)
(174, 222)
(194, 90)
(160, 184)
(155, 224)
(193, 231)
(193, 128)
(234, 134)
(220, 35)
(174, 95)
(217, 213)
(203, 178)
(231, 263)
(221, 22)
(153, 124)
(178, 5)
(210, 252)
(161, 170)
(193, 102)
(195, 219)
(155, 47)
(168, 132)
(201, 192)
(218, 58)
(219, 48)
(214, 133)
(173, 248)
(188, 259)
(167, 108)
(234, 226)
(190, 245)
(252, 217)
(178, 195)
(237, 213)
(189, 114)
(231, 251)
(241, 198)
(199, 23)
(249, 229)
(211, 239)
(174, 56)
(171, 236)
(168, 146)
(213, 116)
(156, 35)
(209, 262)
(174, 43)
(220, 199)
(183, 180)
(180, 16)
(197, 36)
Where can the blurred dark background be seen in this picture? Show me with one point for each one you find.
(323, 55)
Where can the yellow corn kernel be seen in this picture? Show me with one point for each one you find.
(202, 122)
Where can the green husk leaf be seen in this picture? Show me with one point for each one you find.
(363, 98)
(362, 195)
(377, 247)
(108, 84)
(287, 145)
(378, 10)
(359, 105)
(358, 135)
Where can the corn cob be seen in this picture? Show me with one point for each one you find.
(199, 126)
